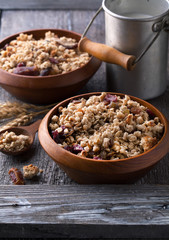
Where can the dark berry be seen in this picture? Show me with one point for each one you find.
(59, 137)
(150, 113)
(21, 64)
(45, 72)
(110, 98)
(53, 60)
(74, 148)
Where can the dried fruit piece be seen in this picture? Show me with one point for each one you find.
(53, 60)
(29, 71)
(69, 148)
(77, 149)
(16, 176)
(110, 98)
(74, 148)
(59, 136)
(135, 110)
(56, 61)
(62, 60)
(45, 72)
(97, 158)
(21, 64)
(150, 113)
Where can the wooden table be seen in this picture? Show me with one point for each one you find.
(52, 205)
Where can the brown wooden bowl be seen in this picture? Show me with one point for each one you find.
(91, 171)
(47, 89)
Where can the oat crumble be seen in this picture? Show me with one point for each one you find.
(30, 171)
(106, 127)
(49, 56)
(11, 142)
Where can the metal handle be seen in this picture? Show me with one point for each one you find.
(104, 52)
(157, 27)
(90, 23)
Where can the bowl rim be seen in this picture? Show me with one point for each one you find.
(143, 102)
(45, 30)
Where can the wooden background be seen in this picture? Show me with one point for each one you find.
(52, 205)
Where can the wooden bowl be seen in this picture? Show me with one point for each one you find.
(47, 89)
(91, 171)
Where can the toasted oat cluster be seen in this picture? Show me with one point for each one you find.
(30, 171)
(9, 141)
(106, 127)
(49, 56)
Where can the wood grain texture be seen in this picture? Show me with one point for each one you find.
(78, 211)
(50, 4)
(106, 53)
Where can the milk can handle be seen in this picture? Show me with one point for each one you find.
(157, 27)
(104, 52)
(90, 23)
(126, 61)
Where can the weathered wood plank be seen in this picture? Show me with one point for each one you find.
(50, 4)
(122, 211)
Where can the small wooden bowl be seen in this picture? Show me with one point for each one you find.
(47, 89)
(91, 171)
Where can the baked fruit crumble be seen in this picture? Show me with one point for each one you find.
(106, 126)
(50, 55)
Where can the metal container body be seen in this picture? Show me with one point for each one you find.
(130, 32)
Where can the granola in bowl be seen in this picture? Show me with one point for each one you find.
(106, 127)
(51, 55)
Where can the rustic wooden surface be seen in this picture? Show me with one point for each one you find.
(63, 214)
(50, 4)
(79, 211)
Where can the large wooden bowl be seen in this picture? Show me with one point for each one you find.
(90, 171)
(47, 89)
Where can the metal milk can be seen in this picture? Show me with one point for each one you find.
(137, 31)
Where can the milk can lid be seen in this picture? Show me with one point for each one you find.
(139, 10)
